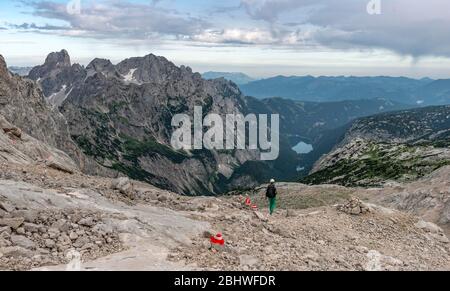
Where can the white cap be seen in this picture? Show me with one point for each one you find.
(272, 181)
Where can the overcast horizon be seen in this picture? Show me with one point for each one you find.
(261, 38)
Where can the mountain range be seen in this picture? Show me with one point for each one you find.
(63, 189)
(120, 115)
(328, 89)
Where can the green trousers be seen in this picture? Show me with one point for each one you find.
(272, 205)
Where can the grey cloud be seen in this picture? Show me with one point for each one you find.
(271, 10)
(120, 19)
(33, 26)
(409, 27)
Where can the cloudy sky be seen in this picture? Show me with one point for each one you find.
(259, 37)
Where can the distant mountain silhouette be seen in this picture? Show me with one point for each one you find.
(238, 78)
(328, 89)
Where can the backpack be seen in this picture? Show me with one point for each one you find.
(271, 191)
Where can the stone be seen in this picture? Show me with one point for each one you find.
(354, 206)
(73, 235)
(49, 243)
(31, 227)
(59, 166)
(20, 230)
(260, 216)
(16, 252)
(89, 221)
(64, 239)
(14, 223)
(162, 198)
(61, 225)
(123, 185)
(7, 206)
(291, 213)
(53, 233)
(13, 131)
(428, 227)
(23, 241)
(5, 229)
(29, 215)
(440, 237)
(81, 241)
(88, 246)
(246, 260)
(103, 228)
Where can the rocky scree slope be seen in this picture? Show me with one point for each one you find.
(46, 214)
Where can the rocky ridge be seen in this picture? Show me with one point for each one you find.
(120, 115)
(400, 146)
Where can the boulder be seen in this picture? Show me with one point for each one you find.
(29, 215)
(49, 243)
(60, 166)
(13, 132)
(88, 221)
(354, 206)
(5, 229)
(428, 227)
(23, 241)
(7, 206)
(14, 223)
(260, 216)
(31, 227)
(16, 252)
(124, 186)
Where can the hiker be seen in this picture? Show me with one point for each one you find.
(271, 194)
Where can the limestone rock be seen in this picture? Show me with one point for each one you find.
(14, 223)
(428, 227)
(23, 241)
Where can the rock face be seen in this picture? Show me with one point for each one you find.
(36, 118)
(57, 75)
(20, 148)
(428, 197)
(121, 116)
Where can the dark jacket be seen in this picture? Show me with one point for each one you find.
(271, 191)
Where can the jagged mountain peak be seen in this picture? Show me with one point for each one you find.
(99, 63)
(150, 69)
(58, 59)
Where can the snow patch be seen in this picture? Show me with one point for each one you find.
(129, 78)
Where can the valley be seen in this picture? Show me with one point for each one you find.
(90, 171)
